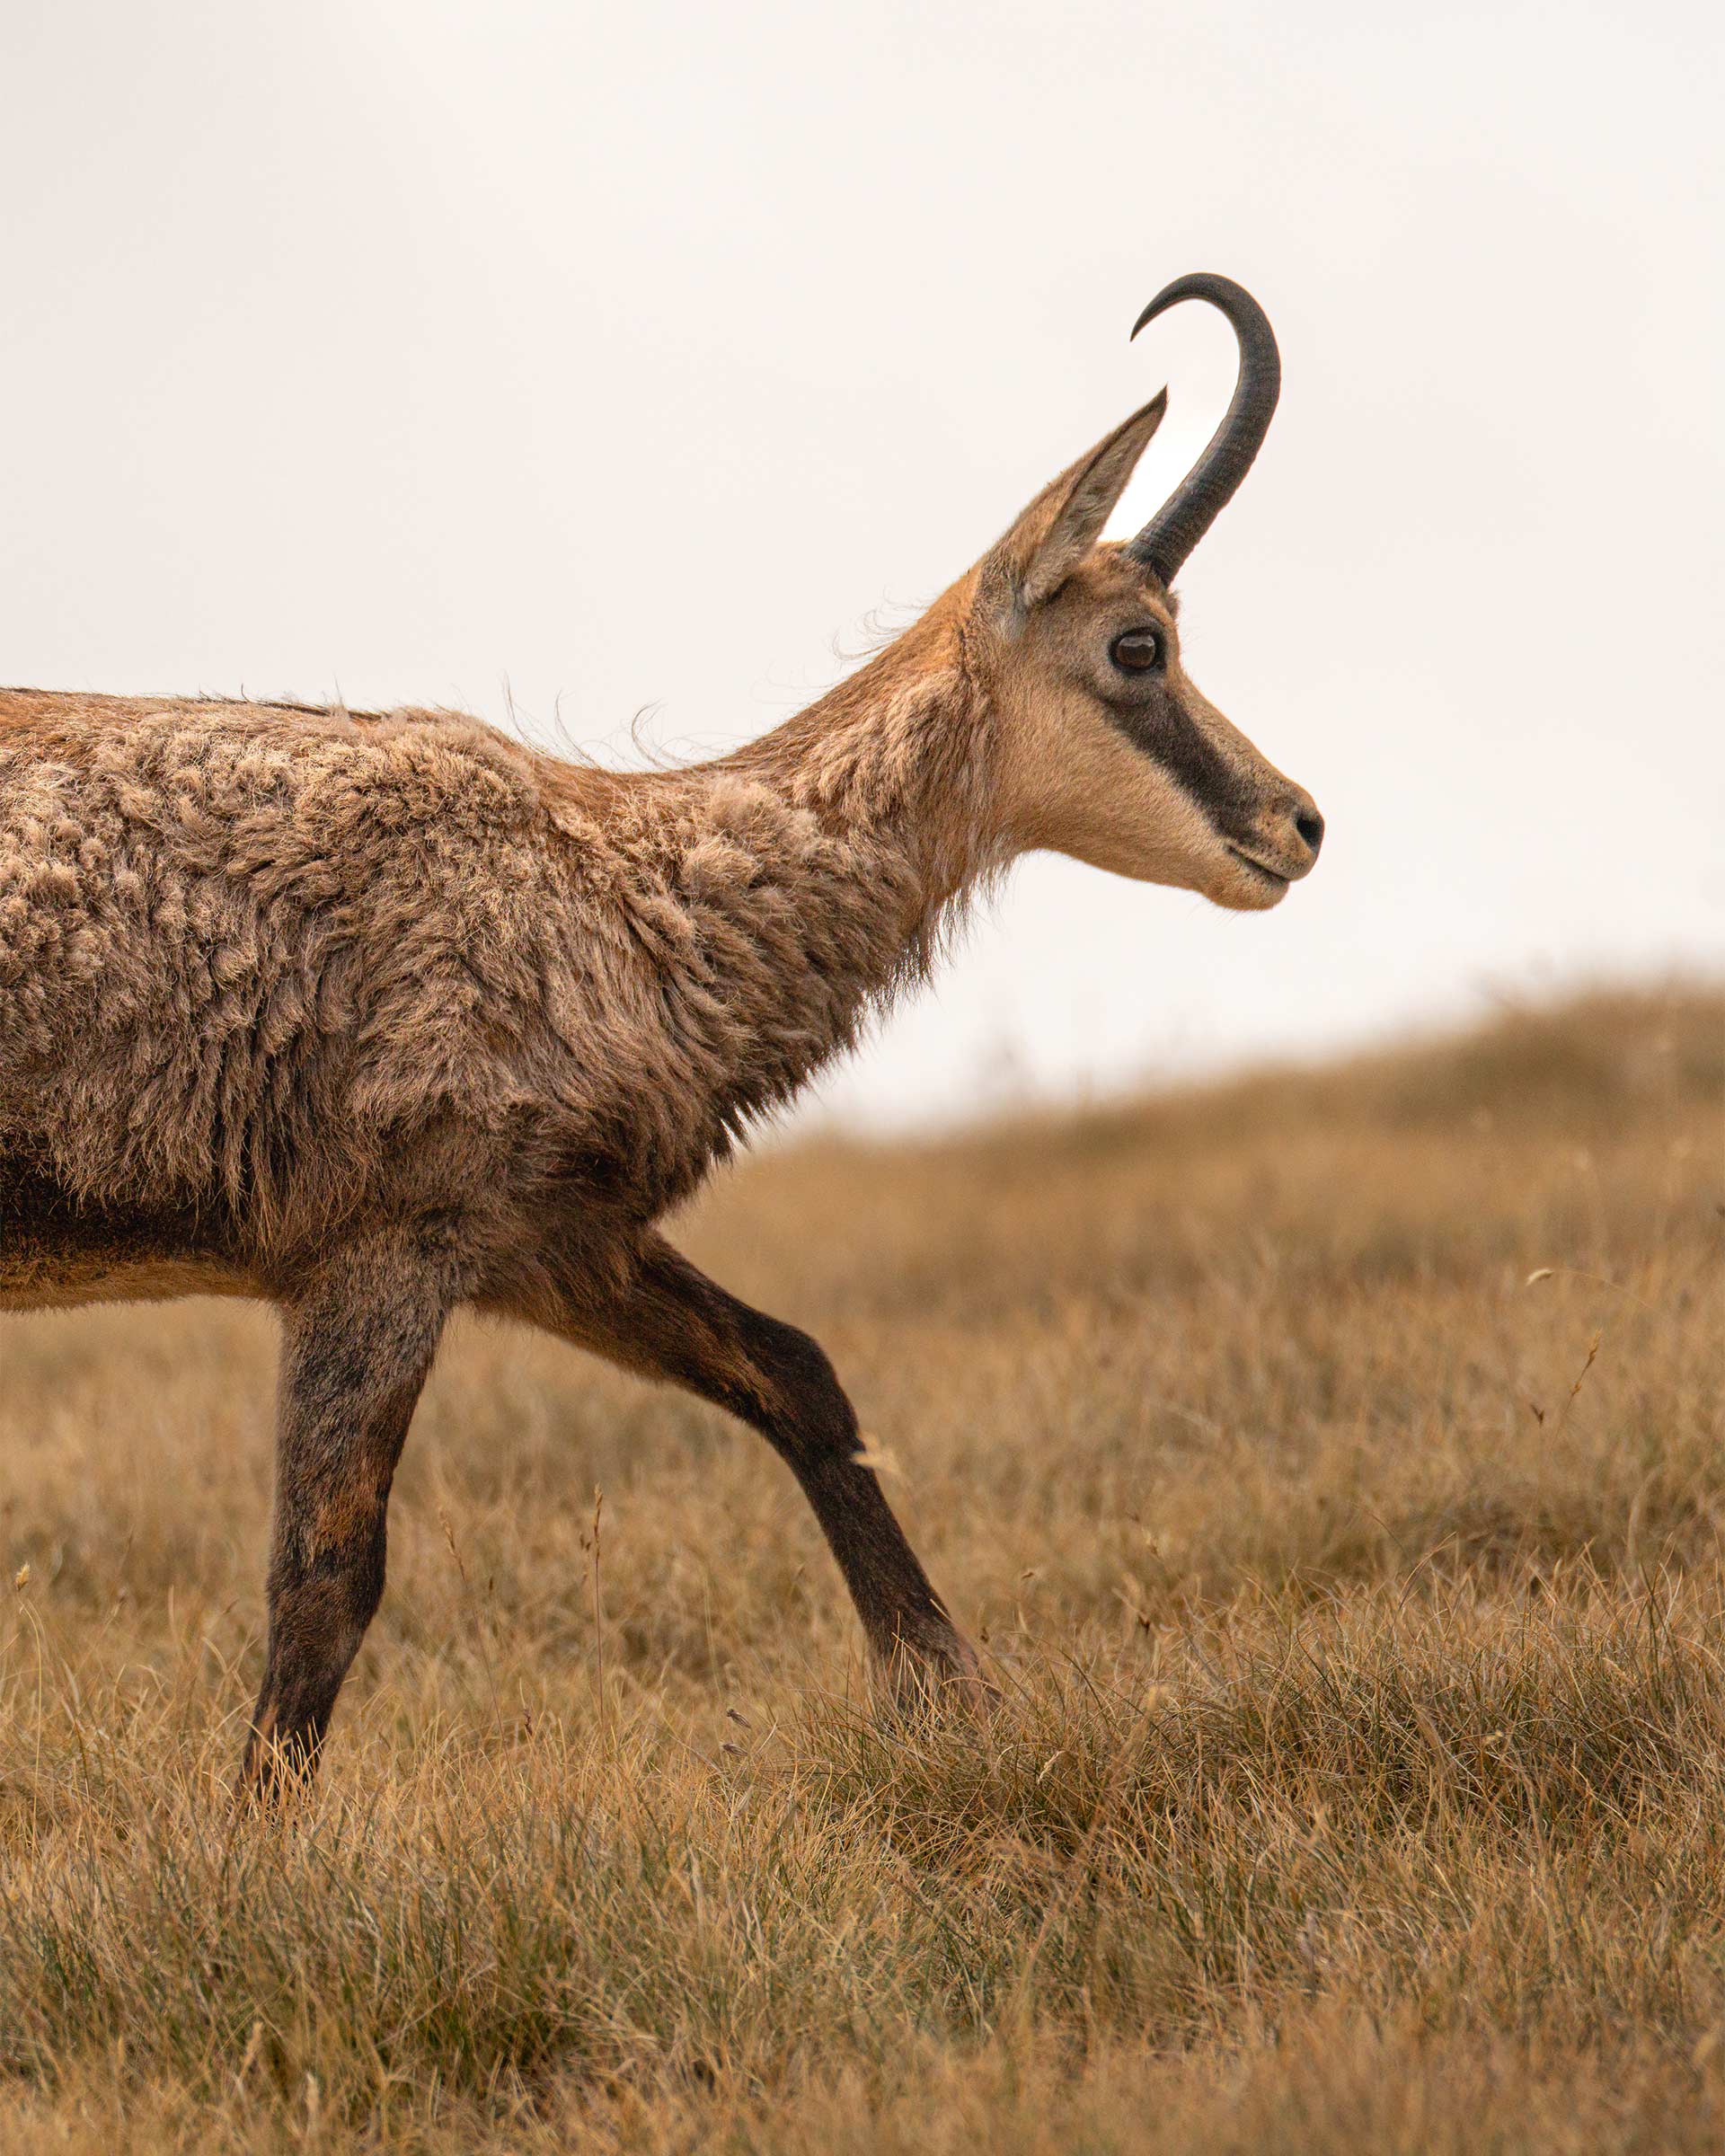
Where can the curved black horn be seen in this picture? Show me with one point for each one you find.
(1182, 520)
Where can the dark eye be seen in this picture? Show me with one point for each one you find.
(1137, 651)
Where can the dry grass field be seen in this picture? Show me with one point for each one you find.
(1331, 1467)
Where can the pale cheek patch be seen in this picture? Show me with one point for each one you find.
(1108, 804)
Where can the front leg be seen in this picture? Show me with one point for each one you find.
(357, 1341)
(666, 1319)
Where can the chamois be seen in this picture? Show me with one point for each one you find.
(375, 1015)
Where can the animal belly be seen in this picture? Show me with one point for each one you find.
(56, 1251)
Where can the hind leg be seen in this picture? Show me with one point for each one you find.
(358, 1342)
(666, 1319)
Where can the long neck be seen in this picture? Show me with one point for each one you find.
(894, 767)
(809, 875)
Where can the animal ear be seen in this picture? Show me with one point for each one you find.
(1054, 534)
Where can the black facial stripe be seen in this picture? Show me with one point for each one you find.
(1164, 732)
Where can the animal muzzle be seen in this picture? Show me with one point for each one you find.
(1281, 843)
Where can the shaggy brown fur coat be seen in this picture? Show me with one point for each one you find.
(376, 1015)
(284, 970)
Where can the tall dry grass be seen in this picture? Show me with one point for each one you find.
(1331, 1464)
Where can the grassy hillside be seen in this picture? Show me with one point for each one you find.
(1330, 1465)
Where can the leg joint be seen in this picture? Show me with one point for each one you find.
(804, 1409)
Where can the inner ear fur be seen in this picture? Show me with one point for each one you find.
(1041, 551)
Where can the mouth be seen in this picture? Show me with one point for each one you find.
(1272, 878)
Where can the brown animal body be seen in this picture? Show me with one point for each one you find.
(375, 1016)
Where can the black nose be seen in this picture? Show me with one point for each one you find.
(1309, 824)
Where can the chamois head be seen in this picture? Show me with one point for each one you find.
(1106, 749)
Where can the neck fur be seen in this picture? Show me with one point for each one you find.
(800, 882)
(893, 767)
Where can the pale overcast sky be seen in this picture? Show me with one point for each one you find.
(595, 357)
